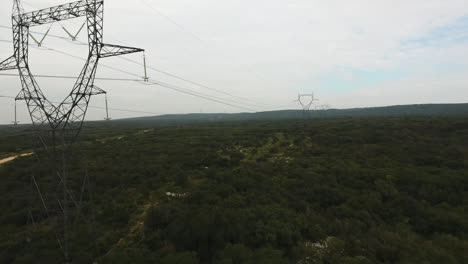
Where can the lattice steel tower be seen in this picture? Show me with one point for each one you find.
(58, 126)
(306, 104)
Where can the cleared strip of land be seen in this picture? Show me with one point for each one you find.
(6, 160)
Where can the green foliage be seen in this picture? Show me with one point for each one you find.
(352, 191)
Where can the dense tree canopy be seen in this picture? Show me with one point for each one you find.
(370, 190)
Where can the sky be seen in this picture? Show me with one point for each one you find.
(257, 55)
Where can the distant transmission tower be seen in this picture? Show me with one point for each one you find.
(322, 109)
(107, 118)
(306, 101)
(58, 126)
(15, 122)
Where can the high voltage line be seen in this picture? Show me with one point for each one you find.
(166, 85)
(140, 64)
(166, 73)
(72, 77)
(182, 90)
(256, 104)
(162, 84)
(157, 12)
(170, 20)
(170, 86)
(191, 82)
(99, 107)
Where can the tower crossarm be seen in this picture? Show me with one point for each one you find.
(56, 13)
(110, 50)
(8, 64)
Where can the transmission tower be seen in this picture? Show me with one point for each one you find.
(58, 125)
(322, 109)
(107, 118)
(306, 101)
(15, 122)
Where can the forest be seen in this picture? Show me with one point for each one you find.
(348, 190)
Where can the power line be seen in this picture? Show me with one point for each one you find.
(187, 31)
(166, 85)
(149, 67)
(127, 110)
(72, 77)
(257, 104)
(99, 107)
(173, 87)
(192, 82)
(169, 86)
(170, 20)
(182, 90)
(168, 74)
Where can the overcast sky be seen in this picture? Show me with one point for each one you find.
(350, 53)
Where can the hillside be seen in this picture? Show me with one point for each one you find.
(385, 111)
(341, 191)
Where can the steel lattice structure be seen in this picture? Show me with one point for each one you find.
(58, 126)
(72, 110)
(306, 105)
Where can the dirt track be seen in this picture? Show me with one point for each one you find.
(6, 160)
